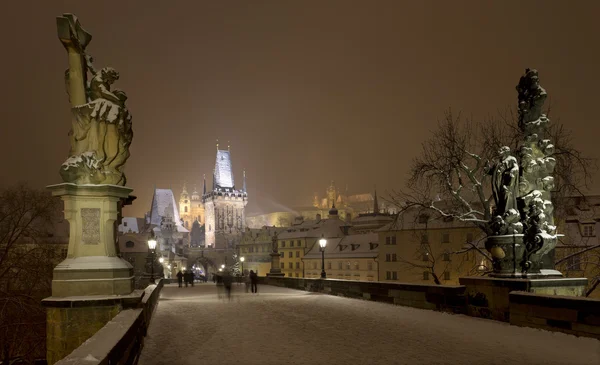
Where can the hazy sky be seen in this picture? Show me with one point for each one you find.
(306, 91)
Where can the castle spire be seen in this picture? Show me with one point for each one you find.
(244, 186)
(375, 204)
(217, 144)
(204, 184)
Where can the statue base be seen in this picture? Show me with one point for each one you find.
(487, 297)
(507, 258)
(92, 266)
(275, 270)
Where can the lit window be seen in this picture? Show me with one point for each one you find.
(282, 243)
(290, 254)
(299, 243)
(297, 253)
(387, 257)
(394, 275)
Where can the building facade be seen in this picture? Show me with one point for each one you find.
(255, 247)
(419, 247)
(352, 257)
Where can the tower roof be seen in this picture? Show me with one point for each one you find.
(223, 176)
(164, 205)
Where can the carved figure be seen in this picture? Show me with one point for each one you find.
(101, 130)
(505, 181)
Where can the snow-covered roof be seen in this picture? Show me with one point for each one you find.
(164, 205)
(131, 225)
(352, 246)
(223, 170)
(332, 227)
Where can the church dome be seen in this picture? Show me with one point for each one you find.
(333, 210)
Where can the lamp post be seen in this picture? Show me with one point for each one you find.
(152, 247)
(323, 243)
(242, 259)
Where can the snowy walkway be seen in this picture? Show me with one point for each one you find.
(284, 326)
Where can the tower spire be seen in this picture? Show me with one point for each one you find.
(217, 144)
(204, 184)
(184, 188)
(244, 186)
(375, 204)
(228, 146)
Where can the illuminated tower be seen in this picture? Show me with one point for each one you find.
(184, 208)
(224, 205)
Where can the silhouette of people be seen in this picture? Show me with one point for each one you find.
(227, 281)
(254, 281)
(180, 278)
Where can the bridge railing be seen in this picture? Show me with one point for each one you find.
(121, 340)
(445, 298)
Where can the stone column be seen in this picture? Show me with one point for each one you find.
(275, 268)
(92, 285)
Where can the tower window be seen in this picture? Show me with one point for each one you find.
(185, 209)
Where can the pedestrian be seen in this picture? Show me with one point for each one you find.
(227, 281)
(179, 278)
(254, 281)
(247, 282)
(192, 278)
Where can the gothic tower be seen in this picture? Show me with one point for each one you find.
(224, 205)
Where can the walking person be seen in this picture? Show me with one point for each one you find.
(179, 278)
(227, 281)
(247, 282)
(254, 281)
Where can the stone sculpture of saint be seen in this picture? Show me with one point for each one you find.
(505, 176)
(101, 130)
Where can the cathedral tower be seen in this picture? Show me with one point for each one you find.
(224, 205)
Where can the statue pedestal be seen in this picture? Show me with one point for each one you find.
(487, 297)
(275, 269)
(92, 284)
(92, 266)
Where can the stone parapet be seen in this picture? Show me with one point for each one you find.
(443, 298)
(118, 340)
(489, 297)
(573, 315)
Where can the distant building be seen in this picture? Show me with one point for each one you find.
(352, 257)
(578, 251)
(419, 246)
(191, 207)
(295, 241)
(256, 246)
(349, 207)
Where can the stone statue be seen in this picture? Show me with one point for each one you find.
(523, 235)
(101, 131)
(505, 181)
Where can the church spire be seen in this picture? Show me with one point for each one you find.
(244, 186)
(375, 204)
(184, 192)
(204, 184)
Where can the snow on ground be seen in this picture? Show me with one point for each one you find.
(285, 326)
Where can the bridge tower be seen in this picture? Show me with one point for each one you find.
(224, 205)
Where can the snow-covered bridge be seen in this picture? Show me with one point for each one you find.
(286, 326)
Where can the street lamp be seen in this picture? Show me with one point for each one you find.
(161, 260)
(323, 243)
(222, 267)
(242, 259)
(152, 247)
